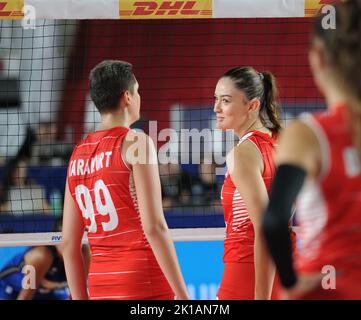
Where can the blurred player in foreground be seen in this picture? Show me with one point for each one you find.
(319, 160)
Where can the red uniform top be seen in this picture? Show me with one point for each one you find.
(329, 209)
(123, 265)
(239, 241)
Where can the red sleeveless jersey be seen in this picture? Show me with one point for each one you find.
(123, 265)
(239, 241)
(329, 209)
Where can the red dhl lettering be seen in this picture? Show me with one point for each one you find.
(145, 8)
(323, 2)
(4, 13)
(16, 13)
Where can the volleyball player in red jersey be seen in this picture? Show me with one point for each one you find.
(246, 101)
(113, 192)
(319, 160)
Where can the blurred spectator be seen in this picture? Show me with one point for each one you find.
(180, 188)
(22, 196)
(47, 150)
(208, 181)
(36, 59)
(23, 152)
(169, 177)
(176, 186)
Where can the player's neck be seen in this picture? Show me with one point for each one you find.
(255, 125)
(111, 120)
(335, 97)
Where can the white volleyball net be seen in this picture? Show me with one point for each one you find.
(178, 49)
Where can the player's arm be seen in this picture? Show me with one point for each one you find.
(245, 165)
(148, 189)
(40, 260)
(72, 234)
(298, 156)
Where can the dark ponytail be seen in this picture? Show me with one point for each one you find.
(343, 51)
(261, 86)
(270, 105)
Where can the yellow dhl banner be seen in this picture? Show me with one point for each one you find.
(12, 9)
(162, 9)
(313, 7)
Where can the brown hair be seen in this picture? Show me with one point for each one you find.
(108, 81)
(343, 52)
(259, 85)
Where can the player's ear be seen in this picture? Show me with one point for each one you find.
(254, 105)
(125, 99)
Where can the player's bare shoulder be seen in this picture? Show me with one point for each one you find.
(138, 148)
(244, 155)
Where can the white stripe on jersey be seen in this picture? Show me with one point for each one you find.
(245, 137)
(238, 207)
(98, 214)
(112, 297)
(240, 216)
(108, 185)
(133, 194)
(240, 211)
(111, 235)
(116, 272)
(312, 216)
(118, 172)
(92, 143)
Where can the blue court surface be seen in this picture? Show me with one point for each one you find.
(201, 264)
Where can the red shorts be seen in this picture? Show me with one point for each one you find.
(133, 275)
(238, 282)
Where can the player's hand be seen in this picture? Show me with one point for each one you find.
(305, 284)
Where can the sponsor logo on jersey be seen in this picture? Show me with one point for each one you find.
(10, 10)
(132, 9)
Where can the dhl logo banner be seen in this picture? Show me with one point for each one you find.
(163, 9)
(12, 9)
(313, 7)
(135, 9)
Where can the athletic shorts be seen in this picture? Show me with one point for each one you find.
(238, 282)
